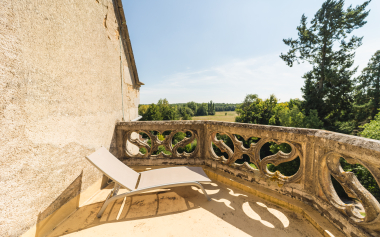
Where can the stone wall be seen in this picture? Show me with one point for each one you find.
(60, 97)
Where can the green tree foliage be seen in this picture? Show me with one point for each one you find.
(326, 46)
(275, 119)
(176, 138)
(186, 113)
(368, 90)
(202, 109)
(153, 113)
(211, 108)
(292, 117)
(193, 106)
(255, 110)
(160, 149)
(227, 140)
(168, 112)
(160, 111)
(364, 176)
(217, 106)
(295, 118)
(346, 127)
(189, 147)
(225, 107)
(372, 129)
(143, 109)
(287, 168)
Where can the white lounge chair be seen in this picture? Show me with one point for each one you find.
(138, 183)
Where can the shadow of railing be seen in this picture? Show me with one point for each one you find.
(248, 214)
(318, 151)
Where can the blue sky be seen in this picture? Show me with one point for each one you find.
(221, 50)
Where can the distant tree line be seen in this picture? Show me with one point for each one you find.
(185, 111)
(225, 107)
(200, 109)
(165, 111)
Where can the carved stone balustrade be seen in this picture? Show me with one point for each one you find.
(319, 152)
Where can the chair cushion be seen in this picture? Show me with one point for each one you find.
(114, 168)
(172, 175)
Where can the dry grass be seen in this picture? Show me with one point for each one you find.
(219, 116)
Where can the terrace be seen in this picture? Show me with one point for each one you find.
(184, 211)
(247, 200)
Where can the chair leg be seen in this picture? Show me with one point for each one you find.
(111, 197)
(113, 193)
(204, 191)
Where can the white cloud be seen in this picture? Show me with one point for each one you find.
(229, 83)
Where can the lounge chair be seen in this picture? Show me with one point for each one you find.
(142, 182)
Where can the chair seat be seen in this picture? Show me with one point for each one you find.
(172, 175)
(147, 180)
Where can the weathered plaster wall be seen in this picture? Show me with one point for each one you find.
(60, 97)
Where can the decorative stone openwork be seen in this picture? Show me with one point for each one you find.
(319, 152)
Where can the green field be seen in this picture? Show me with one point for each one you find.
(219, 116)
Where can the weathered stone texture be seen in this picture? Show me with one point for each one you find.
(319, 152)
(60, 97)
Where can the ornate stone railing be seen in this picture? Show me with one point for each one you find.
(319, 152)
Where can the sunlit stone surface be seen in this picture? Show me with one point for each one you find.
(184, 211)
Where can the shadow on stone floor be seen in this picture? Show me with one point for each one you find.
(247, 213)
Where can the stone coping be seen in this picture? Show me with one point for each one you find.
(319, 152)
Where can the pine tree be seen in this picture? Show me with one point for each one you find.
(329, 85)
(369, 85)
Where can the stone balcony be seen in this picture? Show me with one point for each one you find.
(247, 200)
(183, 211)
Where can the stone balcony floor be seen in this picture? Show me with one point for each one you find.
(184, 211)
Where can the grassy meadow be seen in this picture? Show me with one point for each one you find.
(219, 116)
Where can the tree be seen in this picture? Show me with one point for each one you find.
(160, 111)
(224, 107)
(324, 45)
(168, 112)
(186, 113)
(152, 113)
(211, 108)
(269, 108)
(249, 111)
(369, 85)
(372, 129)
(255, 110)
(193, 106)
(202, 110)
(295, 118)
(143, 109)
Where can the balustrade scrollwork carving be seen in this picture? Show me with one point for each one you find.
(253, 152)
(156, 142)
(330, 165)
(319, 153)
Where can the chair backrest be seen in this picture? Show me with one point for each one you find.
(114, 168)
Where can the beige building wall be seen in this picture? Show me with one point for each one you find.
(60, 97)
